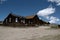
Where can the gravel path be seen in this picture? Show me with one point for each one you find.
(9, 33)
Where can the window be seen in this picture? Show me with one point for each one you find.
(30, 22)
(23, 21)
(6, 20)
(16, 20)
(9, 19)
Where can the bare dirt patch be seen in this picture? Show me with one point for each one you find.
(10, 33)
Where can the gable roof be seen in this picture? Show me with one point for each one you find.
(30, 17)
(16, 15)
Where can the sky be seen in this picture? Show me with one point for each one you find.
(47, 10)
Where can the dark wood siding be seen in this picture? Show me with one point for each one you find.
(10, 20)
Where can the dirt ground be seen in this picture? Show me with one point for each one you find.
(30, 33)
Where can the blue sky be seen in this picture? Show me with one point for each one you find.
(30, 7)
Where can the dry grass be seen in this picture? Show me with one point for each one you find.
(49, 37)
(31, 33)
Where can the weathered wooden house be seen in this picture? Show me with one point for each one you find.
(15, 20)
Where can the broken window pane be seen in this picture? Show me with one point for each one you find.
(16, 20)
(9, 19)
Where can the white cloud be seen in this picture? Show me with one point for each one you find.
(47, 17)
(46, 11)
(46, 14)
(54, 19)
(56, 1)
(1, 1)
